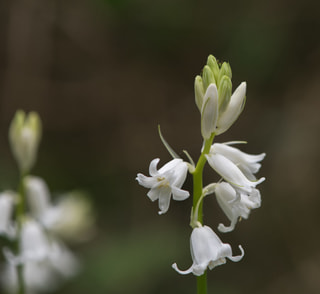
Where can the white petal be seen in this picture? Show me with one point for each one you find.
(179, 194)
(147, 182)
(188, 271)
(164, 199)
(230, 172)
(238, 257)
(153, 167)
(234, 108)
(209, 112)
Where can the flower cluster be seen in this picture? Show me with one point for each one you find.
(34, 227)
(236, 191)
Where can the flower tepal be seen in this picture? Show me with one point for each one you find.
(207, 251)
(165, 182)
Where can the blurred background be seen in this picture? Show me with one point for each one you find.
(104, 73)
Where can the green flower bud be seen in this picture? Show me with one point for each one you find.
(207, 77)
(224, 91)
(213, 64)
(24, 136)
(198, 92)
(225, 70)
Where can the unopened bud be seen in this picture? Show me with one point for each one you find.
(198, 92)
(225, 70)
(224, 91)
(207, 77)
(213, 64)
(24, 136)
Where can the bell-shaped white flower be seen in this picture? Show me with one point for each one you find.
(45, 261)
(6, 209)
(165, 182)
(232, 110)
(25, 135)
(249, 164)
(235, 167)
(207, 251)
(235, 204)
(71, 217)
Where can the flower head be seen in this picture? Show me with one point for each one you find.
(165, 182)
(235, 166)
(45, 261)
(207, 251)
(235, 204)
(25, 135)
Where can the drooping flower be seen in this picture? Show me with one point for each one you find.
(45, 261)
(6, 209)
(235, 204)
(235, 166)
(207, 251)
(165, 182)
(71, 217)
(25, 135)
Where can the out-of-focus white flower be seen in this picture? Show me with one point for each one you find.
(71, 217)
(235, 166)
(6, 208)
(234, 204)
(207, 251)
(45, 261)
(165, 182)
(24, 136)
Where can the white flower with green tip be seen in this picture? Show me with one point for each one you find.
(207, 251)
(165, 182)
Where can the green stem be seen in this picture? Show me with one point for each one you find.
(20, 210)
(197, 193)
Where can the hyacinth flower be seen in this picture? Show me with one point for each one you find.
(165, 182)
(70, 218)
(44, 260)
(236, 192)
(235, 205)
(36, 258)
(234, 166)
(207, 251)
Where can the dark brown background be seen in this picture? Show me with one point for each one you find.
(103, 73)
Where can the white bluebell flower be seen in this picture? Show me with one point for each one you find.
(234, 204)
(207, 251)
(165, 182)
(235, 166)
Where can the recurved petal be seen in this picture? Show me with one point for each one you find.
(153, 167)
(147, 182)
(179, 194)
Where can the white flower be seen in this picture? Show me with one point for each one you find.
(44, 261)
(233, 109)
(235, 166)
(209, 111)
(6, 208)
(207, 251)
(25, 135)
(234, 204)
(165, 181)
(71, 218)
